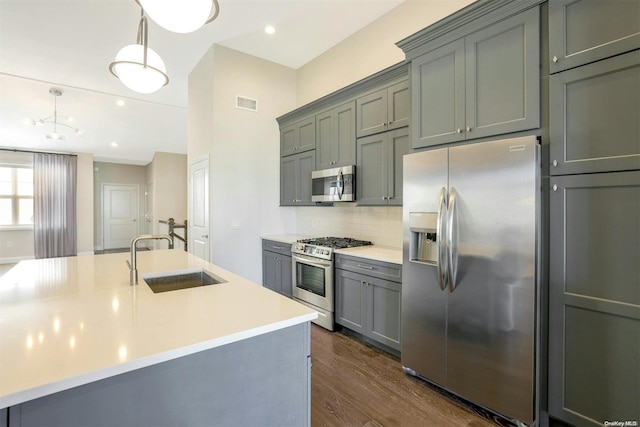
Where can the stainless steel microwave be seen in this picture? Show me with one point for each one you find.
(334, 185)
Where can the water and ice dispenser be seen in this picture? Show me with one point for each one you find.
(423, 244)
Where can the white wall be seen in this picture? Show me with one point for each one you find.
(371, 49)
(169, 178)
(243, 149)
(84, 210)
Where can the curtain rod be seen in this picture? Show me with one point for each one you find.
(16, 150)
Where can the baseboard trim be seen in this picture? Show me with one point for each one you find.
(86, 253)
(15, 260)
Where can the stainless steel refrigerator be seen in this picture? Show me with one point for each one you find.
(469, 276)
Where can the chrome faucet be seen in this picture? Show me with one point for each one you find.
(133, 265)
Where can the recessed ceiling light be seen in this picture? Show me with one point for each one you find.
(269, 29)
(114, 144)
(120, 102)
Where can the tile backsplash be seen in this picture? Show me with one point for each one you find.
(381, 225)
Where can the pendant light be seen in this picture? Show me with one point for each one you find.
(139, 67)
(54, 134)
(181, 16)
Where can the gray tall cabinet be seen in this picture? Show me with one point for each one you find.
(594, 259)
(478, 74)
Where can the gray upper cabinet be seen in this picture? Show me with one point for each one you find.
(383, 110)
(379, 168)
(439, 96)
(295, 179)
(298, 137)
(486, 84)
(594, 298)
(336, 137)
(585, 31)
(594, 116)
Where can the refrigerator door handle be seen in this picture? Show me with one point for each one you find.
(441, 240)
(452, 238)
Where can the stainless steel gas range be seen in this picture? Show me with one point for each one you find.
(312, 269)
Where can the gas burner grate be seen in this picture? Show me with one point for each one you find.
(336, 242)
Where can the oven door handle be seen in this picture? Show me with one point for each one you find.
(311, 261)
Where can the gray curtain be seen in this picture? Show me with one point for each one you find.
(54, 200)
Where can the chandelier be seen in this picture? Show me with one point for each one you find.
(139, 67)
(181, 16)
(55, 135)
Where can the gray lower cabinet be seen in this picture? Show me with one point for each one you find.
(297, 137)
(336, 137)
(485, 84)
(594, 298)
(594, 113)
(295, 179)
(585, 31)
(379, 168)
(276, 267)
(383, 110)
(367, 304)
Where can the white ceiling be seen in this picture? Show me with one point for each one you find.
(70, 44)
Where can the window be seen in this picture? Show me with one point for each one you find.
(16, 195)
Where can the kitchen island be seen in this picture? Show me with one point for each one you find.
(80, 346)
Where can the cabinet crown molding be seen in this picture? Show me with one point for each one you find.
(459, 24)
(392, 74)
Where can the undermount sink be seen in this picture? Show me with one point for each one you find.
(182, 279)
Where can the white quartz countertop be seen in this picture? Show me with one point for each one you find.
(374, 252)
(65, 322)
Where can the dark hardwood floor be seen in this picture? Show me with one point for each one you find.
(355, 384)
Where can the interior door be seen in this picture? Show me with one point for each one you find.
(120, 215)
(199, 209)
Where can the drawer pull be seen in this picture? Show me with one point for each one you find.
(368, 267)
(277, 247)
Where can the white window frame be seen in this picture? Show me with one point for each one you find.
(15, 198)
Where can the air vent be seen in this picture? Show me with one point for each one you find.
(245, 103)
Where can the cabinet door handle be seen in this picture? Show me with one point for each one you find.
(468, 129)
(367, 267)
(458, 130)
(555, 58)
(390, 122)
(277, 247)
